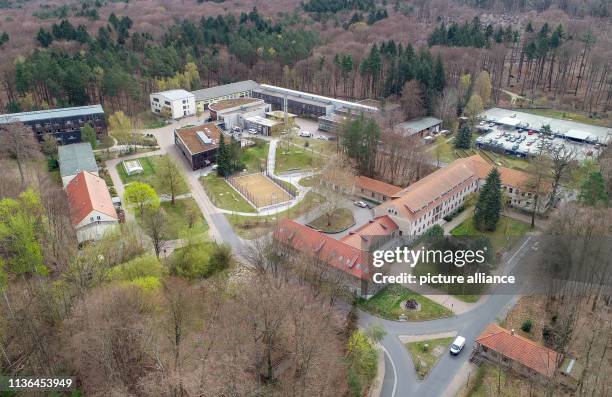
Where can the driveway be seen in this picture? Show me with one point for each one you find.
(400, 378)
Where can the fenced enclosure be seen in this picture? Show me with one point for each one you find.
(260, 190)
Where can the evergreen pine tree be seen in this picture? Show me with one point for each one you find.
(223, 166)
(489, 205)
(593, 191)
(463, 140)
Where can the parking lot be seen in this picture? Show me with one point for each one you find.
(524, 142)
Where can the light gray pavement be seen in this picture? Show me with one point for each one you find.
(468, 324)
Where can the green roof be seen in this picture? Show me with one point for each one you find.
(76, 158)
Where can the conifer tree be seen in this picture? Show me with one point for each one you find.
(489, 205)
(223, 163)
(593, 191)
(463, 140)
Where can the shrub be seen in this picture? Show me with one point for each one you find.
(138, 268)
(200, 260)
(526, 326)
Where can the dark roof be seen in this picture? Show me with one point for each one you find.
(189, 136)
(222, 90)
(75, 158)
(51, 114)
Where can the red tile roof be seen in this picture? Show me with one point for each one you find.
(373, 185)
(342, 256)
(86, 193)
(519, 349)
(381, 226)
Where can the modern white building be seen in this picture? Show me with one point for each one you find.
(233, 112)
(173, 104)
(91, 208)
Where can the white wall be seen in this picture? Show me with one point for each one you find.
(178, 107)
(94, 225)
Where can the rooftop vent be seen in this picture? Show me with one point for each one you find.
(204, 138)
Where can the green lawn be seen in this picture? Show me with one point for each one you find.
(149, 176)
(425, 354)
(290, 158)
(223, 195)
(256, 156)
(178, 223)
(386, 304)
(338, 221)
(508, 232)
(250, 227)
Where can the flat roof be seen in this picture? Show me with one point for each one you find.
(280, 113)
(51, 114)
(232, 103)
(295, 97)
(418, 125)
(75, 158)
(262, 121)
(195, 145)
(174, 95)
(558, 126)
(223, 90)
(320, 98)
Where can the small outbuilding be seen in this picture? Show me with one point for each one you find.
(132, 167)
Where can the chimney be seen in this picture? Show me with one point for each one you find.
(512, 331)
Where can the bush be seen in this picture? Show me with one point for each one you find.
(142, 267)
(200, 260)
(526, 326)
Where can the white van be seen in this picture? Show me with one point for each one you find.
(305, 134)
(457, 345)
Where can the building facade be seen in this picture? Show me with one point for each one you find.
(63, 124)
(374, 190)
(91, 209)
(230, 113)
(174, 104)
(420, 127)
(198, 144)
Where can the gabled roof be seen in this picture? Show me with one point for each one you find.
(340, 255)
(75, 158)
(519, 349)
(86, 193)
(373, 185)
(381, 226)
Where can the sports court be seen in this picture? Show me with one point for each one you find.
(260, 190)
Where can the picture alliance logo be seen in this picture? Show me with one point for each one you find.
(459, 258)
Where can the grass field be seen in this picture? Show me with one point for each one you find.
(250, 227)
(261, 190)
(255, 157)
(386, 304)
(290, 158)
(309, 181)
(340, 220)
(425, 354)
(177, 219)
(223, 195)
(508, 232)
(149, 175)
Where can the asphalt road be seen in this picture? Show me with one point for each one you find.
(400, 377)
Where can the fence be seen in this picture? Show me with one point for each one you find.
(286, 186)
(242, 190)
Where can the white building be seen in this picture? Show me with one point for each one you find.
(92, 211)
(173, 104)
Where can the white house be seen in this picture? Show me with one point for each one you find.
(173, 104)
(91, 208)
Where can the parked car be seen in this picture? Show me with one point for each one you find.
(361, 204)
(457, 345)
(214, 167)
(322, 137)
(491, 124)
(332, 138)
(252, 131)
(305, 134)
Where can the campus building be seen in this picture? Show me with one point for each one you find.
(206, 96)
(198, 144)
(63, 124)
(173, 104)
(306, 104)
(374, 190)
(230, 113)
(347, 260)
(426, 202)
(419, 127)
(75, 158)
(92, 211)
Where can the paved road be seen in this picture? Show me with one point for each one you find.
(400, 378)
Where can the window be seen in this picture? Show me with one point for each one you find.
(98, 217)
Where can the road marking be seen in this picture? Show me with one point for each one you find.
(509, 261)
(394, 371)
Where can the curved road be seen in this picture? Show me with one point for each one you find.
(400, 378)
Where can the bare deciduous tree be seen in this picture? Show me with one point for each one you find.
(18, 142)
